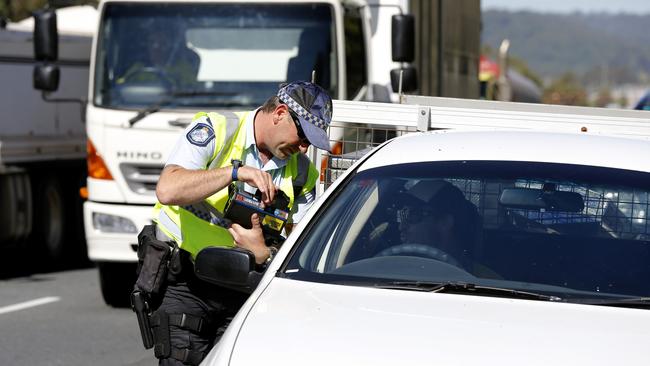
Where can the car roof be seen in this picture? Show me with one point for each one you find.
(533, 146)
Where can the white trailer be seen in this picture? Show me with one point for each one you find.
(42, 145)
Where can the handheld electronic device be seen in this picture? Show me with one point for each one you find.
(241, 205)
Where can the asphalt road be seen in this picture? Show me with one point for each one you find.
(59, 318)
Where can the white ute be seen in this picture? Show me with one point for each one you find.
(549, 265)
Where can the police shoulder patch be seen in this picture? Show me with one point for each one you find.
(200, 135)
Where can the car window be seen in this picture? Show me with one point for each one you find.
(569, 230)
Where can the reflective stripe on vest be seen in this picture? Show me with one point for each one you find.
(305, 177)
(198, 225)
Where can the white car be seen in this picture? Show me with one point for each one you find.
(458, 248)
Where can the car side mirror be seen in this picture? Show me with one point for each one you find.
(233, 268)
(46, 36)
(46, 77)
(409, 79)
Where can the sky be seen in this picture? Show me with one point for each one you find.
(569, 6)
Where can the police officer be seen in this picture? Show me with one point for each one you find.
(262, 149)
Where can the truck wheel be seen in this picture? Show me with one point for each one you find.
(75, 246)
(116, 281)
(49, 221)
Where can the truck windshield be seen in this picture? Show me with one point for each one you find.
(216, 55)
(578, 233)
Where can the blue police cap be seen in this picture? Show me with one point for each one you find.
(313, 106)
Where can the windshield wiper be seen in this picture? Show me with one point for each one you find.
(155, 107)
(149, 110)
(632, 302)
(465, 288)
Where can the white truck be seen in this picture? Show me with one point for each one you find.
(42, 144)
(508, 234)
(156, 63)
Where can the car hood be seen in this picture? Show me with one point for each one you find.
(299, 323)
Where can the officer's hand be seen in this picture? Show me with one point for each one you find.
(259, 179)
(251, 239)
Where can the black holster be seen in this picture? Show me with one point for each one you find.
(140, 305)
(158, 262)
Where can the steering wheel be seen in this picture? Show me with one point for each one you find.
(156, 74)
(419, 250)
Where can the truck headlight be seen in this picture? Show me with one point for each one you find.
(113, 224)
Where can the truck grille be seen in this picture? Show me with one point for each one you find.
(141, 178)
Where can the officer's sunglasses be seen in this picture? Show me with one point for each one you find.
(412, 215)
(301, 133)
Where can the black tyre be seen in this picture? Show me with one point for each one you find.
(49, 221)
(57, 219)
(116, 281)
(75, 246)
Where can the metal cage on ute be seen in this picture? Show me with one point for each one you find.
(620, 214)
(368, 124)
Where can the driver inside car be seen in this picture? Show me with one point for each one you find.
(438, 222)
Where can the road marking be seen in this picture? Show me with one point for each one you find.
(29, 304)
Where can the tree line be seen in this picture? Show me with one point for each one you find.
(17, 10)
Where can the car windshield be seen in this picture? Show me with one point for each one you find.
(215, 55)
(569, 231)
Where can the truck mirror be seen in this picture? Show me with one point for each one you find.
(228, 267)
(409, 79)
(46, 77)
(46, 36)
(403, 37)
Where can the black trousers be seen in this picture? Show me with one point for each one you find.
(214, 304)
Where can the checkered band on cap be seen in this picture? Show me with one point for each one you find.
(302, 112)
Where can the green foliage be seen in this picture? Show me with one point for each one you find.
(565, 90)
(603, 98)
(17, 10)
(596, 48)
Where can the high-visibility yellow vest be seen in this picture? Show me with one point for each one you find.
(195, 226)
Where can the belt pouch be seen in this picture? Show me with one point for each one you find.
(155, 265)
